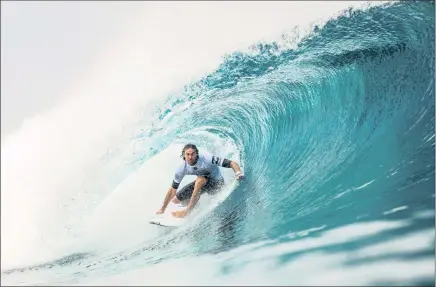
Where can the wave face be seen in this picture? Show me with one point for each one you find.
(336, 138)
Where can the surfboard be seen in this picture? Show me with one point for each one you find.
(166, 220)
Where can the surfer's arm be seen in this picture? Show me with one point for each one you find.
(235, 166)
(170, 194)
(227, 163)
(199, 183)
(174, 186)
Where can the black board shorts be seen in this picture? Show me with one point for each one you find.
(212, 186)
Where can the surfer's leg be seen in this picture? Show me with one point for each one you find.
(212, 187)
(185, 193)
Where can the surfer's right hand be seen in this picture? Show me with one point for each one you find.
(160, 211)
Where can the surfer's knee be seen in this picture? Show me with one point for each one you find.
(201, 180)
(176, 200)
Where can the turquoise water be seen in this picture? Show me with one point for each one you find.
(336, 138)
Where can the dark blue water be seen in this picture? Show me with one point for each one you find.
(338, 129)
(337, 132)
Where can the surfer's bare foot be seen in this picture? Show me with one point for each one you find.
(180, 213)
(160, 211)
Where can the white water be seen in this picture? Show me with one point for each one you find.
(258, 264)
(53, 157)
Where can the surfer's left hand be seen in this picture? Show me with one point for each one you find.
(180, 213)
(239, 175)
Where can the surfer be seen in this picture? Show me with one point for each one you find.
(209, 178)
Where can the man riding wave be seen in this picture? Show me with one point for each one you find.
(209, 178)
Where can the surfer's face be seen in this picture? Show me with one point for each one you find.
(190, 156)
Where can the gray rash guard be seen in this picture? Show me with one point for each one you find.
(207, 166)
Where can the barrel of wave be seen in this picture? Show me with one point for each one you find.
(121, 220)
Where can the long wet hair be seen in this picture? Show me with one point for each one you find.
(189, 145)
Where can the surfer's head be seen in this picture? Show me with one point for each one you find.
(190, 154)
